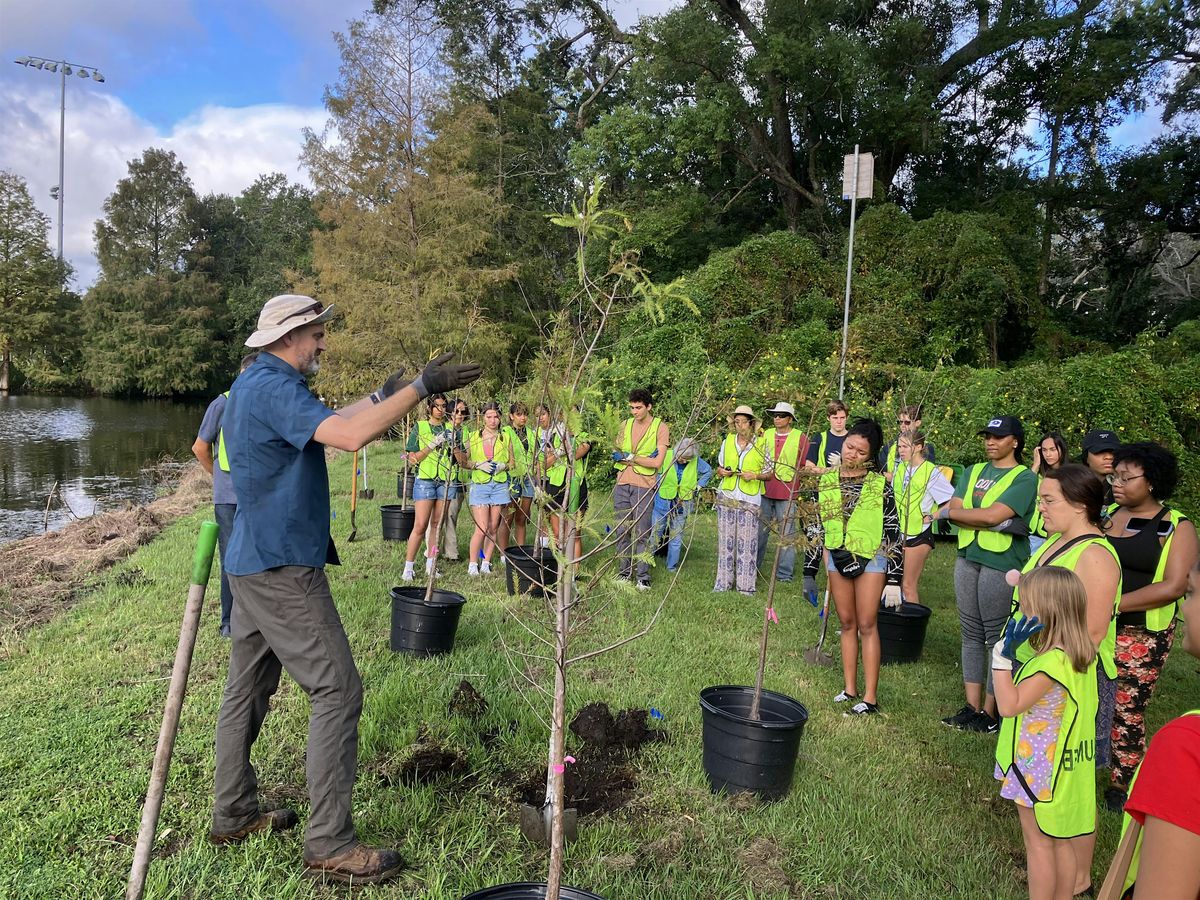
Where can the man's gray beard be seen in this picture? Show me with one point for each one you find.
(311, 367)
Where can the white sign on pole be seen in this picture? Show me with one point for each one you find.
(865, 180)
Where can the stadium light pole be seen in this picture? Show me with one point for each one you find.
(63, 68)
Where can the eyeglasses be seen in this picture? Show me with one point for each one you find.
(904, 421)
(780, 415)
(1118, 480)
(1042, 501)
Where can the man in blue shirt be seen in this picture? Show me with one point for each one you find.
(208, 442)
(284, 617)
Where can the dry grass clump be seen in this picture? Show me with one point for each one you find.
(40, 576)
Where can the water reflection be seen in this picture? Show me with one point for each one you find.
(97, 449)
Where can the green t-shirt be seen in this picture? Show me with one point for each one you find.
(413, 444)
(1020, 497)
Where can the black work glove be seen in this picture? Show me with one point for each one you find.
(395, 381)
(439, 377)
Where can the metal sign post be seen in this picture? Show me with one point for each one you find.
(858, 180)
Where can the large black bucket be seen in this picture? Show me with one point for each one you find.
(397, 521)
(412, 481)
(741, 754)
(902, 632)
(530, 570)
(529, 891)
(424, 629)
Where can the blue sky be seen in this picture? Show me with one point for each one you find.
(228, 86)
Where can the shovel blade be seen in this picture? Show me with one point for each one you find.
(814, 656)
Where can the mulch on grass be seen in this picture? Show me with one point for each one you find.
(41, 576)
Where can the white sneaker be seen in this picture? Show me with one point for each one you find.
(473, 570)
(485, 568)
(407, 574)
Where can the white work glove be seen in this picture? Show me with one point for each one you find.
(835, 459)
(498, 467)
(892, 597)
(999, 660)
(438, 440)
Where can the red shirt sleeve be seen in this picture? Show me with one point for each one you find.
(1168, 783)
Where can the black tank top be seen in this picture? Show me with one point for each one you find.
(1139, 554)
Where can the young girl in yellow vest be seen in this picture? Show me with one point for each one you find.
(864, 558)
(490, 459)
(523, 441)
(920, 488)
(1045, 756)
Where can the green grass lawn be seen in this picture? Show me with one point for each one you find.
(894, 806)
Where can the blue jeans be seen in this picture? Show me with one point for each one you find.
(432, 489)
(774, 511)
(224, 512)
(669, 520)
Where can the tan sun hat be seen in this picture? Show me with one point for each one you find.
(285, 313)
(744, 410)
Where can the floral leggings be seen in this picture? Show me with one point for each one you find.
(1140, 657)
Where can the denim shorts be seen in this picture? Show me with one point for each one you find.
(432, 489)
(490, 493)
(876, 566)
(520, 487)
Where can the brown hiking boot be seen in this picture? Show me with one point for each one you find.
(275, 820)
(360, 865)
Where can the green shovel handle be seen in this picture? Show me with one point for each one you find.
(205, 547)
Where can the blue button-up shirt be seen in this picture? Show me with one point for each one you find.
(278, 471)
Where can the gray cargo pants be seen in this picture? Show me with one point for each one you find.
(285, 617)
(634, 507)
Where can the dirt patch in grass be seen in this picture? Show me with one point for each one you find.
(427, 761)
(467, 702)
(602, 779)
(40, 576)
(763, 861)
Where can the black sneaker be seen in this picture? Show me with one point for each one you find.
(862, 708)
(982, 723)
(960, 719)
(1114, 800)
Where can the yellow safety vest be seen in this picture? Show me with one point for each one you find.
(785, 465)
(647, 445)
(672, 485)
(1068, 807)
(477, 455)
(909, 497)
(1160, 619)
(991, 541)
(523, 453)
(753, 463)
(1069, 560)
(435, 466)
(862, 535)
(222, 453)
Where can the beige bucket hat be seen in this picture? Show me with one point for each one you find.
(285, 313)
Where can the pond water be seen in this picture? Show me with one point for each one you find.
(102, 453)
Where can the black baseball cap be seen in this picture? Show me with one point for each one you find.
(1004, 426)
(1099, 441)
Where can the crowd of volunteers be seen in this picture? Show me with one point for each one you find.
(1069, 581)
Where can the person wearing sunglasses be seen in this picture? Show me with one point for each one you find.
(787, 448)
(909, 422)
(1157, 547)
(284, 617)
(447, 541)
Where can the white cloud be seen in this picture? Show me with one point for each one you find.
(224, 150)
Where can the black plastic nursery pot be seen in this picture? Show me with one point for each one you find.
(744, 755)
(397, 521)
(527, 890)
(902, 632)
(412, 482)
(530, 570)
(424, 629)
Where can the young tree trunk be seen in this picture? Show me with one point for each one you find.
(552, 813)
(4, 362)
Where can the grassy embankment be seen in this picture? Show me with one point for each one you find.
(895, 806)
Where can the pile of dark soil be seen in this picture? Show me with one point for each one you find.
(602, 779)
(467, 702)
